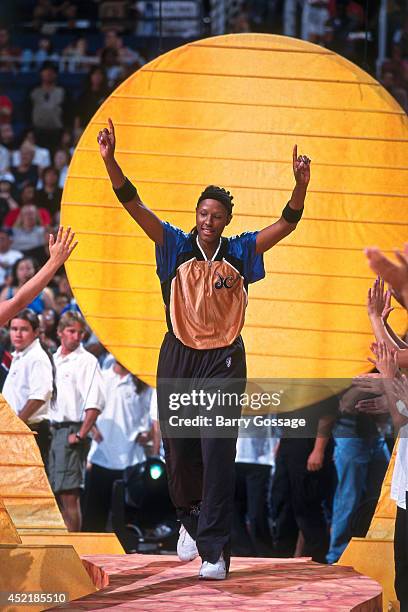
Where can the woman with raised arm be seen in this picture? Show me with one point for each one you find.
(204, 280)
(60, 249)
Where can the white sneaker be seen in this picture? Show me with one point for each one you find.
(213, 571)
(186, 546)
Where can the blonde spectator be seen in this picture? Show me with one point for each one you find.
(29, 233)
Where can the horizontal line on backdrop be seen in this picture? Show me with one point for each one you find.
(249, 215)
(240, 159)
(252, 354)
(252, 188)
(152, 264)
(247, 325)
(253, 297)
(248, 48)
(257, 105)
(249, 132)
(223, 75)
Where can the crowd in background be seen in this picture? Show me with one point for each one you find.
(54, 74)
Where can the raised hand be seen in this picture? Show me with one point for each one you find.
(378, 301)
(301, 168)
(396, 275)
(385, 359)
(107, 142)
(62, 246)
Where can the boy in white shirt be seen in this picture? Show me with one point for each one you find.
(79, 401)
(29, 384)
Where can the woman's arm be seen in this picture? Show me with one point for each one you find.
(272, 234)
(150, 224)
(376, 307)
(60, 249)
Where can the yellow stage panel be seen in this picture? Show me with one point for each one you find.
(228, 110)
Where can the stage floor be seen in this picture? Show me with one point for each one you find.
(163, 583)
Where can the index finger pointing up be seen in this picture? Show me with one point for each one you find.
(294, 155)
(111, 126)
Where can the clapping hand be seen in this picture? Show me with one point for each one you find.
(378, 301)
(385, 359)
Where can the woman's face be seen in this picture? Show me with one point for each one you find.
(28, 216)
(60, 159)
(211, 219)
(27, 195)
(97, 78)
(25, 270)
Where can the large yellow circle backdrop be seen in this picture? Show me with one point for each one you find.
(228, 110)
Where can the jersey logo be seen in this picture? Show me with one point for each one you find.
(228, 282)
(228, 362)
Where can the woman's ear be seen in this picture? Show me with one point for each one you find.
(228, 219)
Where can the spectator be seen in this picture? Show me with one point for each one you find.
(111, 64)
(49, 108)
(251, 536)
(79, 401)
(29, 233)
(49, 197)
(61, 303)
(30, 383)
(61, 162)
(23, 270)
(8, 256)
(302, 483)
(361, 458)
(314, 18)
(4, 159)
(6, 109)
(41, 158)
(27, 198)
(122, 432)
(33, 60)
(400, 38)
(7, 137)
(7, 202)
(95, 92)
(74, 55)
(338, 30)
(399, 93)
(9, 53)
(67, 142)
(48, 324)
(26, 172)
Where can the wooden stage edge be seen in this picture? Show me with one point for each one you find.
(162, 582)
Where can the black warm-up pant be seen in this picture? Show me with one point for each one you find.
(200, 462)
(401, 557)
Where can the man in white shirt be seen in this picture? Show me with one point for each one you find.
(79, 401)
(123, 430)
(8, 256)
(29, 384)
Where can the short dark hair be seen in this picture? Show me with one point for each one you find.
(213, 192)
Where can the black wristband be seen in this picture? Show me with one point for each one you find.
(125, 193)
(291, 215)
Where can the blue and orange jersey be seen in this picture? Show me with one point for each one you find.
(206, 299)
